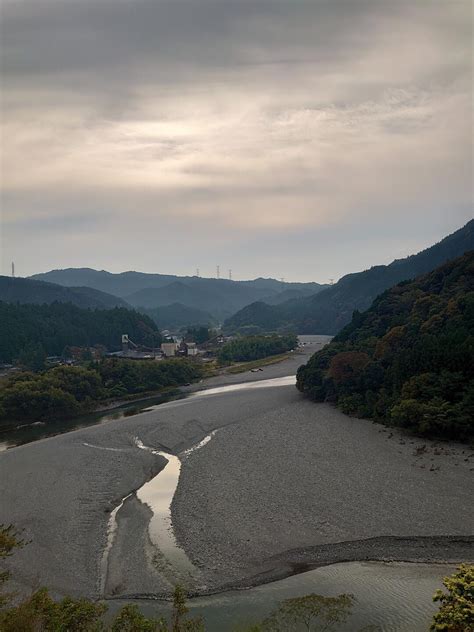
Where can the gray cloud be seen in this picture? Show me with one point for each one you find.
(127, 118)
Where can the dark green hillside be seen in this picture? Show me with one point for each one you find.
(218, 297)
(250, 348)
(409, 360)
(176, 316)
(259, 316)
(331, 309)
(18, 290)
(53, 327)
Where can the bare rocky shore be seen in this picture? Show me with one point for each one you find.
(283, 485)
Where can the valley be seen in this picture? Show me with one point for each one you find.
(279, 485)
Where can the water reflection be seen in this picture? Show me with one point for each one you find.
(26, 433)
(158, 495)
(395, 597)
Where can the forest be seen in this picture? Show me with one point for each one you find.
(21, 290)
(68, 391)
(255, 347)
(408, 361)
(58, 325)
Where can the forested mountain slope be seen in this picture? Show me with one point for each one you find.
(408, 360)
(329, 310)
(19, 290)
(53, 327)
(219, 297)
(177, 315)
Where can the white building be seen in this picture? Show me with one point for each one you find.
(192, 349)
(169, 349)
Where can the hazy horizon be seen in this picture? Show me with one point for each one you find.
(300, 140)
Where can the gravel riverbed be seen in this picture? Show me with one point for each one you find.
(284, 484)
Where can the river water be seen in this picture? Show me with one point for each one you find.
(21, 434)
(395, 597)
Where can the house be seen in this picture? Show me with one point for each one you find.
(187, 349)
(191, 348)
(169, 349)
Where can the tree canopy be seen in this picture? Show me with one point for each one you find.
(409, 360)
(249, 348)
(66, 391)
(56, 326)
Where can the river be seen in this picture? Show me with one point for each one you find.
(395, 597)
(78, 471)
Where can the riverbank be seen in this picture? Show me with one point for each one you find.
(284, 485)
(141, 401)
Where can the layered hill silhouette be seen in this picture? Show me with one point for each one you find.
(332, 308)
(177, 315)
(220, 298)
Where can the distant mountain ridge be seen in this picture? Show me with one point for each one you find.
(219, 297)
(332, 308)
(176, 316)
(20, 290)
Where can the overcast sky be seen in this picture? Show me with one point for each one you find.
(291, 139)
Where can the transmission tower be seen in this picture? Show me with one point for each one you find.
(13, 269)
(218, 272)
(230, 274)
(331, 281)
(197, 272)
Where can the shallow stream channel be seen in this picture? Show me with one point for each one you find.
(395, 597)
(157, 494)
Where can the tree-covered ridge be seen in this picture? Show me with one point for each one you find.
(55, 326)
(19, 290)
(177, 316)
(409, 360)
(331, 309)
(255, 347)
(66, 391)
(218, 297)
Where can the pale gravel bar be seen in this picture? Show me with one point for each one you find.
(284, 485)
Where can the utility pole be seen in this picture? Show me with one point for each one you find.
(218, 272)
(13, 269)
(230, 274)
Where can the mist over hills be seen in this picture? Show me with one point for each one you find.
(19, 290)
(331, 309)
(219, 297)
